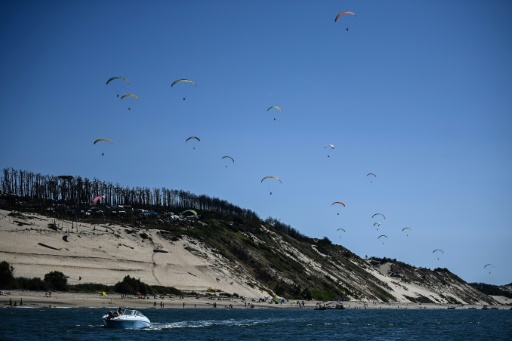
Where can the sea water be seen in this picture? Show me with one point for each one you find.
(261, 324)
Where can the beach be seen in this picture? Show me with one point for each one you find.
(34, 299)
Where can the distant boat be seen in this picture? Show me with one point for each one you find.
(126, 319)
(328, 306)
(338, 305)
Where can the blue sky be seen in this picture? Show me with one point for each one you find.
(419, 93)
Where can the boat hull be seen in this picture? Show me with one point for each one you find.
(128, 318)
(125, 324)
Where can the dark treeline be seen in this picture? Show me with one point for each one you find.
(77, 192)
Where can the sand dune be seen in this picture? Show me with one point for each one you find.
(105, 254)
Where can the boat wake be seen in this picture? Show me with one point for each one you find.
(213, 323)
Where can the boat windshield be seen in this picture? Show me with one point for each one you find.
(133, 312)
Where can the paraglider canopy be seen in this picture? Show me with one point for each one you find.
(275, 107)
(344, 13)
(271, 177)
(118, 77)
(95, 200)
(130, 95)
(376, 214)
(192, 212)
(183, 80)
(228, 157)
(102, 139)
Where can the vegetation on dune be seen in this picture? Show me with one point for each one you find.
(57, 281)
(494, 290)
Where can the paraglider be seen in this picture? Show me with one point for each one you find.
(406, 228)
(275, 107)
(339, 203)
(382, 235)
(342, 229)
(329, 145)
(372, 175)
(438, 250)
(271, 177)
(228, 157)
(376, 224)
(183, 80)
(102, 139)
(489, 265)
(342, 14)
(130, 95)
(192, 138)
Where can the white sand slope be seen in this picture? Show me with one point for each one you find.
(106, 254)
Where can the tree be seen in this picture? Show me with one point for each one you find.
(131, 286)
(7, 280)
(57, 280)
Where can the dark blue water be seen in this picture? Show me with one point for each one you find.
(261, 324)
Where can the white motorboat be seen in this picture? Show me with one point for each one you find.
(128, 318)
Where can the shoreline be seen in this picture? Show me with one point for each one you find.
(37, 299)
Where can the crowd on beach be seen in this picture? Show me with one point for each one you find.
(65, 299)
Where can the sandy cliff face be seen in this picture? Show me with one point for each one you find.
(104, 253)
(107, 253)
